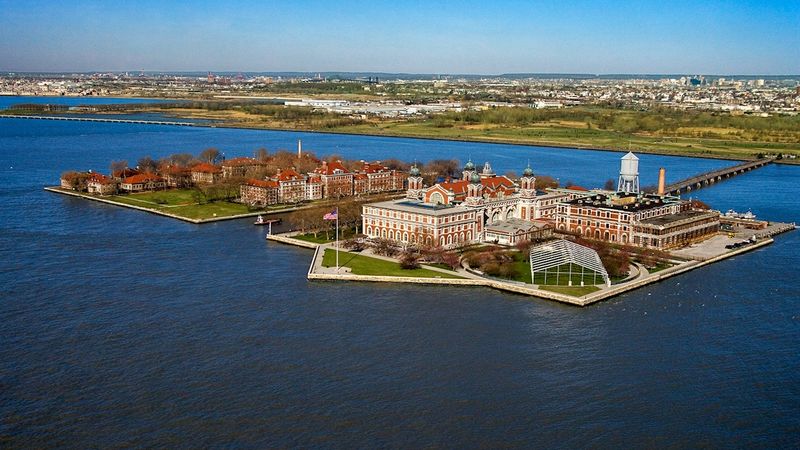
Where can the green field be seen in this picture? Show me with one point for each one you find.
(564, 278)
(658, 130)
(323, 238)
(575, 291)
(365, 265)
(181, 202)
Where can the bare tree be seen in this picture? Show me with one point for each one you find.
(609, 185)
(147, 164)
(262, 154)
(545, 182)
(118, 166)
(210, 155)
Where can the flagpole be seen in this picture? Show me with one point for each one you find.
(337, 239)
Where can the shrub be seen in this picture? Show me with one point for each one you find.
(409, 260)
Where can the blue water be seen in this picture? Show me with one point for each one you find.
(119, 328)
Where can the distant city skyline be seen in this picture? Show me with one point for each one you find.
(578, 37)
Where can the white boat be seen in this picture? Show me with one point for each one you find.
(737, 215)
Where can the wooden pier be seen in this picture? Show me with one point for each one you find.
(713, 176)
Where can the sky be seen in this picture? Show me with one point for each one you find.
(482, 37)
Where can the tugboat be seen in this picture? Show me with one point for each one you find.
(261, 221)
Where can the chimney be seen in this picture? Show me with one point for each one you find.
(662, 174)
(299, 148)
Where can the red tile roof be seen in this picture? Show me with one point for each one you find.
(242, 162)
(495, 182)
(261, 183)
(125, 173)
(374, 167)
(456, 187)
(288, 175)
(142, 178)
(99, 178)
(206, 168)
(329, 168)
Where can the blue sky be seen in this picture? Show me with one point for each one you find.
(701, 36)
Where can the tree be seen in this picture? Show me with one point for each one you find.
(609, 185)
(384, 247)
(409, 260)
(451, 259)
(440, 168)
(545, 182)
(181, 159)
(118, 166)
(262, 154)
(147, 164)
(210, 155)
(77, 180)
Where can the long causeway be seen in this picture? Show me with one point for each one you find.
(713, 176)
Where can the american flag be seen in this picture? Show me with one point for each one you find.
(333, 215)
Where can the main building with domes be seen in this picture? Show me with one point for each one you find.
(484, 207)
(453, 213)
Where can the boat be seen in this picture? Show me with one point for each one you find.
(737, 215)
(261, 221)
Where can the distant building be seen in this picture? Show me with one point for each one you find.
(205, 173)
(259, 192)
(337, 181)
(242, 167)
(291, 186)
(143, 182)
(100, 184)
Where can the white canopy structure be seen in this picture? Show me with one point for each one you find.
(555, 262)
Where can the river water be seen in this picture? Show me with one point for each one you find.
(119, 328)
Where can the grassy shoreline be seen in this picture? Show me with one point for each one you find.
(556, 137)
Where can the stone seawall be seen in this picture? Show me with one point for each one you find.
(291, 241)
(512, 287)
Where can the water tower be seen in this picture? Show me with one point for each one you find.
(629, 174)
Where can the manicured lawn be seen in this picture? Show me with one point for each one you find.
(575, 291)
(321, 238)
(365, 265)
(182, 202)
(563, 277)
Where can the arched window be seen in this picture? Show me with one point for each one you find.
(597, 234)
(579, 230)
(624, 238)
(391, 234)
(436, 197)
(405, 236)
(606, 235)
(441, 241)
(449, 239)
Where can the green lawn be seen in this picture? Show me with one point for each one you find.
(365, 265)
(322, 238)
(563, 278)
(575, 291)
(182, 202)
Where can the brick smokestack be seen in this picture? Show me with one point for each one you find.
(662, 180)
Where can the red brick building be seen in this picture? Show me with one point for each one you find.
(259, 192)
